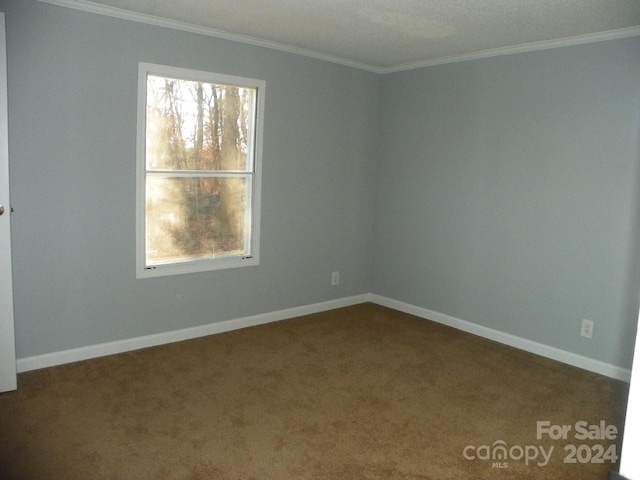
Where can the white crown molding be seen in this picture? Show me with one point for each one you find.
(90, 7)
(523, 48)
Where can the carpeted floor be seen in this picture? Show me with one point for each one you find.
(357, 393)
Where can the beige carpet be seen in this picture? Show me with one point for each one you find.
(357, 393)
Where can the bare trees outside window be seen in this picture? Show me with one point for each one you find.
(199, 168)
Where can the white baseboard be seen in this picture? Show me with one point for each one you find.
(94, 351)
(101, 350)
(520, 343)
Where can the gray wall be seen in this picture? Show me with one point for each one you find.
(72, 109)
(501, 191)
(507, 194)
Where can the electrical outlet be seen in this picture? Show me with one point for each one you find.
(335, 278)
(587, 328)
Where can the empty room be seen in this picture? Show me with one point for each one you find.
(319, 239)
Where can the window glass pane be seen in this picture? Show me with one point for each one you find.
(196, 218)
(198, 126)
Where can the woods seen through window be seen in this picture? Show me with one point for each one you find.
(198, 170)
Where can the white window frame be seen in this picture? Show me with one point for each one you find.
(200, 265)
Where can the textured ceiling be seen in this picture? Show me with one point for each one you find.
(388, 34)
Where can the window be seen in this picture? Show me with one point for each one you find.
(198, 172)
